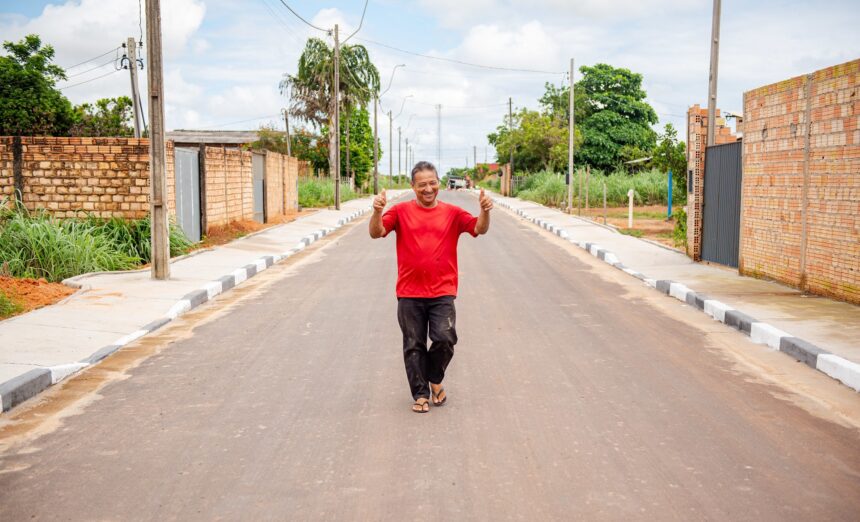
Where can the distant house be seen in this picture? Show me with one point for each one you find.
(488, 168)
(212, 138)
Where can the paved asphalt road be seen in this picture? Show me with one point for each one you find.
(572, 396)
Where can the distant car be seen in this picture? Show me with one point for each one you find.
(456, 183)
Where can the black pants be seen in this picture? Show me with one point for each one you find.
(419, 317)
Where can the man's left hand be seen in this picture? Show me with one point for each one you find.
(485, 201)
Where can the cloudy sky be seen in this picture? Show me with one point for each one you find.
(223, 59)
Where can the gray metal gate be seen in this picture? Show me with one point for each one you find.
(258, 166)
(722, 209)
(187, 176)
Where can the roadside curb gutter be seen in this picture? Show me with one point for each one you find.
(839, 368)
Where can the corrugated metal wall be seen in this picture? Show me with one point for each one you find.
(722, 210)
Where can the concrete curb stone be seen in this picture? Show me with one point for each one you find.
(759, 332)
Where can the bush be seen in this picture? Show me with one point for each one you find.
(679, 234)
(320, 192)
(39, 246)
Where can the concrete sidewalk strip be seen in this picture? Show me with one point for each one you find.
(760, 332)
(45, 346)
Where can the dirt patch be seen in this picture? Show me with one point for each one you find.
(30, 294)
(649, 220)
(221, 235)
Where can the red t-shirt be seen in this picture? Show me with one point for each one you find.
(427, 246)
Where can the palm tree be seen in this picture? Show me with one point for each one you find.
(312, 87)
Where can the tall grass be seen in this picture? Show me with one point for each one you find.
(650, 187)
(34, 244)
(320, 193)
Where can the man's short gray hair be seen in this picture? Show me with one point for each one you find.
(423, 165)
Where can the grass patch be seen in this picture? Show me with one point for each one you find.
(8, 307)
(36, 245)
(631, 232)
(650, 187)
(315, 193)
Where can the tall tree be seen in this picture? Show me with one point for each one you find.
(30, 103)
(360, 146)
(539, 140)
(107, 117)
(312, 87)
(615, 115)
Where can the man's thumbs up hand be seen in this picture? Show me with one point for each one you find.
(485, 201)
(379, 202)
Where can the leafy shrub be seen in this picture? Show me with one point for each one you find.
(679, 235)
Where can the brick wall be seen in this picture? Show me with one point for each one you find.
(697, 140)
(801, 182)
(109, 177)
(281, 184)
(104, 177)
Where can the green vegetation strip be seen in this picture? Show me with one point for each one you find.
(34, 244)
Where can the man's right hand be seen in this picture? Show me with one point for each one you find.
(379, 202)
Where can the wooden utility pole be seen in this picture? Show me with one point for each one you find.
(511, 127)
(375, 148)
(336, 119)
(712, 82)
(135, 95)
(390, 149)
(587, 180)
(399, 155)
(287, 125)
(158, 183)
(570, 129)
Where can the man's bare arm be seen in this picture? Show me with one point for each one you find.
(483, 224)
(375, 227)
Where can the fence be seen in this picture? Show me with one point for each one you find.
(109, 177)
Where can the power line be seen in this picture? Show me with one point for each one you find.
(297, 15)
(451, 60)
(91, 59)
(91, 69)
(463, 106)
(140, 20)
(359, 23)
(88, 81)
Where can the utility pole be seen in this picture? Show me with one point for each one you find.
(475, 156)
(511, 128)
(399, 156)
(289, 138)
(408, 169)
(131, 48)
(157, 205)
(336, 119)
(712, 82)
(439, 137)
(390, 149)
(375, 149)
(570, 130)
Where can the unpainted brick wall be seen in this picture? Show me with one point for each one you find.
(800, 220)
(103, 177)
(697, 140)
(282, 175)
(229, 186)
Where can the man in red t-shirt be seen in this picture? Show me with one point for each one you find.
(427, 235)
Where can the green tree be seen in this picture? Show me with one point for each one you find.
(671, 154)
(615, 115)
(539, 141)
(360, 146)
(312, 87)
(555, 102)
(108, 117)
(311, 147)
(30, 104)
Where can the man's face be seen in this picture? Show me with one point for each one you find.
(426, 187)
